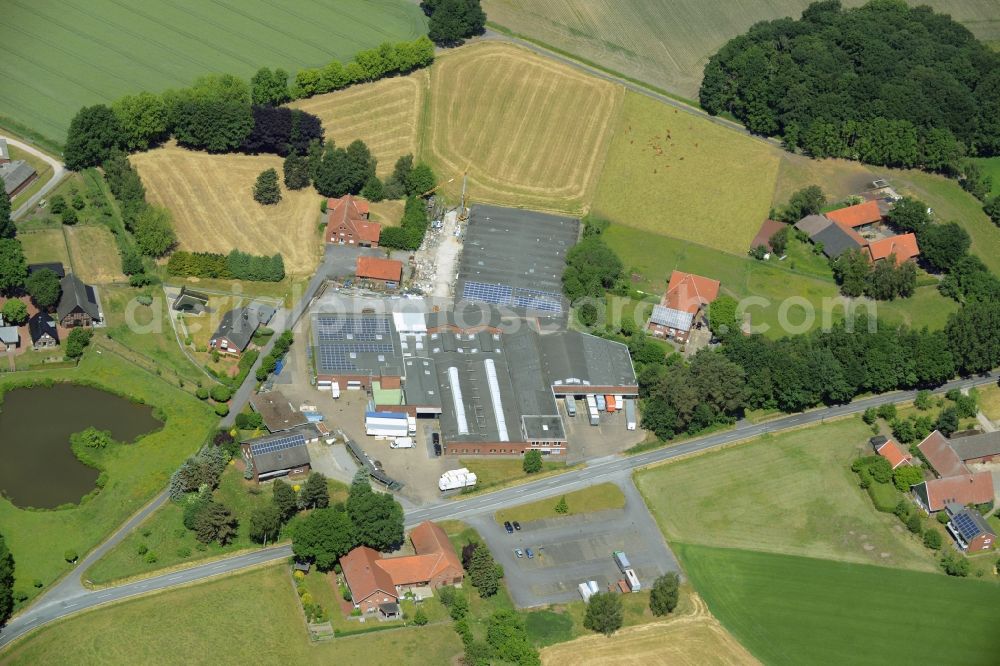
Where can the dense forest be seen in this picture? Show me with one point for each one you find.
(883, 83)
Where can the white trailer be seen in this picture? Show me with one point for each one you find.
(633, 580)
(335, 390)
(622, 561)
(601, 405)
(619, 402)
(402, 443)
(454, 479)
(588, 589)
(411, 424)
(595, 418)
(630, 422)
(591, 400)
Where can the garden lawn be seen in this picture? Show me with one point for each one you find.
(795, 610)
(501, 471)
(602, 497)
(791, 493)
(684, 176)
(136, 472)
(45, 246)
(175, 545)
(989, 401)
(95, 254)
(187, 625)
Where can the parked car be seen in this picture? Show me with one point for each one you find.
(437, 449)
(436, 438)
(507, 526)
(517, 525)
(529, 552)
(519, 552)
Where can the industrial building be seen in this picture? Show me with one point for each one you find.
(494, 386)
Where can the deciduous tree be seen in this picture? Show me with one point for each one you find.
(7, 228)
(665, 594)
(13, 267)
(377, 517)
(215, 522)
(604, 613)
(296, 171)
(6, 582)
(315, 494)
(266, 190)
(153, 232)
(143, 119)
(14, 312)
(285, 499)
(93, 133)
(269, 87)
(532, 462)
(324, 536)
(265, 523)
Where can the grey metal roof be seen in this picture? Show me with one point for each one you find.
(976, 446)
(533, 388)
(421, 386)
(264, 311)
(15, 173)
(360, 344)
(4, 151)
(273, 453)
(276, 411)
(676, 319)
(467, 315)
(813, 224)
(190, 301)
(237, 326)
(836, 241)
(9, 335)
(587, 359)
(77, 296)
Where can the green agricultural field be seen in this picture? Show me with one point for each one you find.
(791, 493)
(61, 55)
(991, 166)
(602, 497)
(171, 628)
(672, 173)
(136, 472)
(796, 610)
(668, 44)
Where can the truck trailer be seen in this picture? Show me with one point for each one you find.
(588, 589)
(570, 405)
(633, 580)
(621, 560)
(630, 414)
(455, 479)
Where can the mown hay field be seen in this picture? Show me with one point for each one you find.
(531, 132)
(667, 44)
(210, 198)
(385, 115)
(693, 638)
(673, 173)
(95, 255)
(60, 55)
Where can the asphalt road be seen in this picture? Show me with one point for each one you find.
(69, 597)
(58, 172)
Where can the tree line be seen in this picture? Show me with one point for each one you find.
(410, 233)
(236, 265)
(883, 83)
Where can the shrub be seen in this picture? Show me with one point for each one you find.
(184, 551)
(70, 556)
(532, 462)
(562, 506)
(955, 565)
(932, 539)
(221, 393)
(202, 393)
(942, 518)
(250, 421)
(923, 400)
(151, 557)
(913, 523)
(142, 549)
(222, 409)
(37, 583)
(420, 617)
(887, 411)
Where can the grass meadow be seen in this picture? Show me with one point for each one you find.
(95, 255)
(136, 472)
(601, 497)
(794, 610)
(791, 493)
(667, 45)
(45, 246)
(170, 628)
(385, 115)
(683, 176)
(61, 55)
(213, 209)
(991, 166)
(530, 132)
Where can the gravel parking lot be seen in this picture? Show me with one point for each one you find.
(572, 550)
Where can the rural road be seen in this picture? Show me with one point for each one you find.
(69, 596)
(58, 173)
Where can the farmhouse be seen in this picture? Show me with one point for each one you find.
(17, 176)
(376, 582)
(965, 488)
(43, 331)
(276, 411)
(494, 392)
(983, 448)
(272, 456)
(971, 532)
(942, 457)
(687, 295)
(347, 223)
(904, 247)
(190, 301)
(840, 230)
(78, 304)
(235, 331)
(891, 451)
(387, 273)
(860, 217)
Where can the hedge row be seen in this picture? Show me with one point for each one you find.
(233, 266)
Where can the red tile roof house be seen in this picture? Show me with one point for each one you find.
(963, 489)
(686, 295)
(347, 223)
(379, 270)
(375, 581)
(860, 217)
(904, 247)
(891, 451)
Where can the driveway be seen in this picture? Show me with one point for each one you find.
(576, 549)
(58, 173)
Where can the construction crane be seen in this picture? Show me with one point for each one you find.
(436, 188)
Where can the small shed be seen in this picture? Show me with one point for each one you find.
(190, 301)
(767, 229)
(9, 337)
(389, 611)
(301, 566)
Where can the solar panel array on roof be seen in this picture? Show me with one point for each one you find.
(966, 525)
(546, 301)
(676, 319)
(497, 294)
(351, 328)
(500, 294)
(280, 444)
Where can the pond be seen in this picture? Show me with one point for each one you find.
(37, 464)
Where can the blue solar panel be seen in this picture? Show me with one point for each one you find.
(280, 444)
(966, 525)
(497, 294)
(546, 301)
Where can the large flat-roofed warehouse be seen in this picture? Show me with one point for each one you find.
(494, 387)
(515, 258)
(357, 349)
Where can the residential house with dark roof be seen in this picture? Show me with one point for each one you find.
(969, 529)
(78, 304)
(891, 451)
(838, 239)
(347, 223)
(43, 331)
(375, 581)
(281, 454)
(687, 294)
(10, 338)
(235, 330)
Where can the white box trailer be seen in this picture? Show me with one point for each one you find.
(595, 418)
(619, 402)
(633, 580)
(588, 589)
(402, 443)
(630, 421)
(335, 390)
(601, 405)
(454, 479)
(591, 401)
(411, 424)
(570, 405)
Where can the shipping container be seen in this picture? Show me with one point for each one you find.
(622, 561)
(630, 422)
(609, 400)
(570, 405)
(591, 400)
(585, 591)
(595, 418)
(633, 580)
(601, 405)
